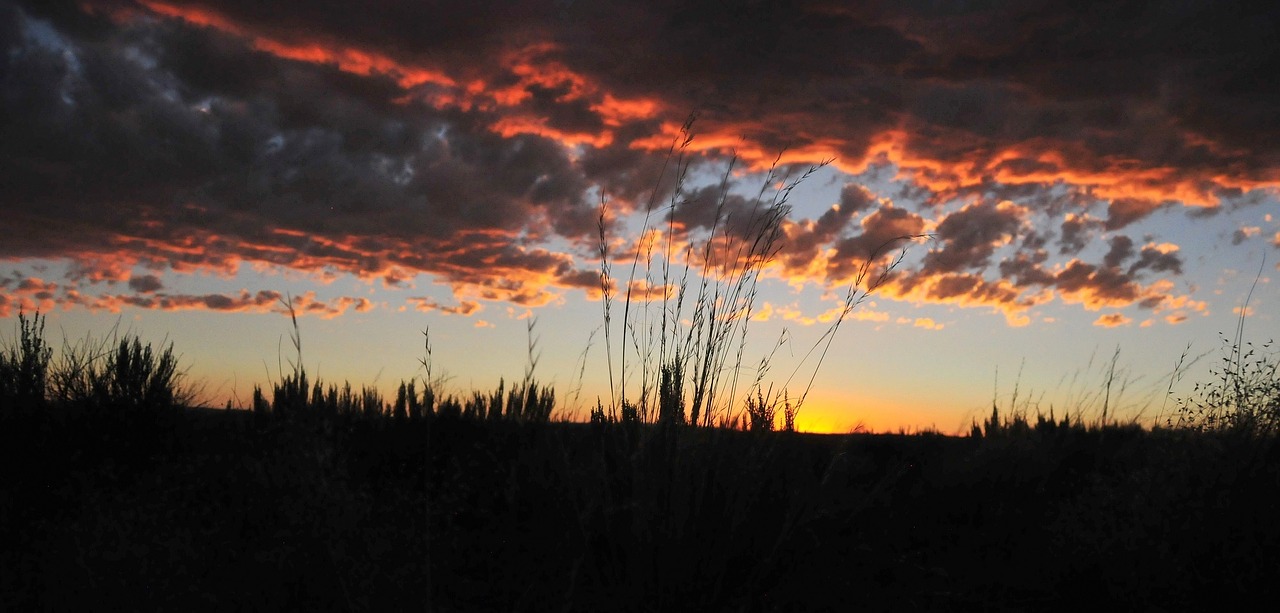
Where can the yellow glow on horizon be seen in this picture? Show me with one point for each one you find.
(845, 412)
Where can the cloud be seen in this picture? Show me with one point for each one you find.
(428, 304)
(1121, 250)
(966, 290)
(34, 293)
(335, 179)
(145, 284)
(261, 302)
(880, 233)
(1112, 320)
(1075, 233)
(927, 323)
(1124, 211)
(1244, 233)
(764, 313)
(854, 198)
(1096, 287)
(793, 313)
(1158, 258)
(472, 143)
(971, 235)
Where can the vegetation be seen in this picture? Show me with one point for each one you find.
(24, 367)
(1243, 398)
(118, 492)
(324, 497)
(689, 297)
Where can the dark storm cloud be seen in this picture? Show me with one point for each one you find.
(970, 83)
(129, 140)
(456, 138)
(1197, 64)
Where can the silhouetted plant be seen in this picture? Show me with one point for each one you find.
(1243, 397)
(24, 366)
(788, 414)
(671, 393)
(410, 405)
(139, 379)
(450, 408)
(641, 518)
(122, 377)
(689, 356)
(598, 415)
(761, 413)
(630, 414)
(530, 402)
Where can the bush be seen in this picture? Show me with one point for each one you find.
(1243, 396)
(24, 366)
(125, 377)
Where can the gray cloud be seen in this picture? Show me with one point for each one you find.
(971, 235)
(458, 140)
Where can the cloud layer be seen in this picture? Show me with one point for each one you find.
(472, 141)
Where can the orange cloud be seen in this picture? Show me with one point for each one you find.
(513, 125)
(927, 323)
(967, 291)
(1112, 320)
(32, 294)
(426, 304)
(348, 59)
(339, 143)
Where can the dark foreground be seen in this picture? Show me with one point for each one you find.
(227, 511)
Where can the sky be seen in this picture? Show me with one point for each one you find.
(1094, 189)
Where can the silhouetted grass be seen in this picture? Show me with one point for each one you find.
(24, 366)
(345, 501)
(687, 362)
(1243, 398)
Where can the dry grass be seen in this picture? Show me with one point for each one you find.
(688, 298)
(334, 498)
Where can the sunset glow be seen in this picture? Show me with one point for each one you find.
(184, 169)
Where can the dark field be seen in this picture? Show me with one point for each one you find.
(205, 509)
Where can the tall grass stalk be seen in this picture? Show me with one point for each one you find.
(686, 362)
(863, 285)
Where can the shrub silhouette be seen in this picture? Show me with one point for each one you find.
(24, 366)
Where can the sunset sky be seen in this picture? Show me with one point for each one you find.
(1091, 180)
